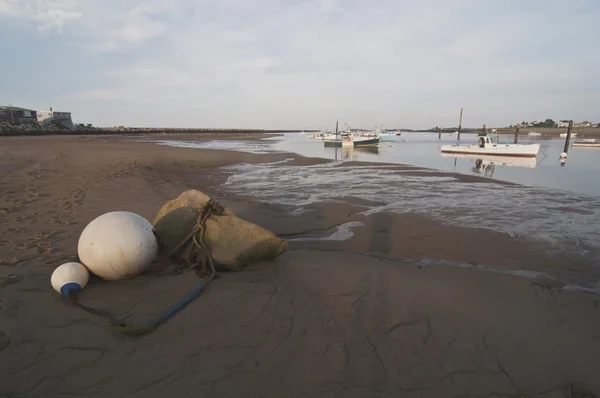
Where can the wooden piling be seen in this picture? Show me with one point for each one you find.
(568, 139)
(460, 123)
(440, 134)
(517, 133)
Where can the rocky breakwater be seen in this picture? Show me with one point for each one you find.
(9, 129)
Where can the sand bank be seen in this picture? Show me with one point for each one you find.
(362, 317)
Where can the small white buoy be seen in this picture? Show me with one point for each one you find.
(69, 278)
(117, 245)
(563, 155)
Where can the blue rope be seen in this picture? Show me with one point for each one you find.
(181, 304)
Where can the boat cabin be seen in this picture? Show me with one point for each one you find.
(486, 140)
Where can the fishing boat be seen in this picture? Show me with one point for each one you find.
(351, 139)
(587, 143)
(487, 145)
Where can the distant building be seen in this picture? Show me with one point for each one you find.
(54, 117)
(576, 125)
(14, 114)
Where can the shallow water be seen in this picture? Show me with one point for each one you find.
(568, 222)
(581, 172)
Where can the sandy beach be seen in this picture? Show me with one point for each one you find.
(368, 316)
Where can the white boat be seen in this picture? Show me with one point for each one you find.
(534, 134)
(587, 143)
(563, 135)
(327, 135)
(385, 135)
(486, 145)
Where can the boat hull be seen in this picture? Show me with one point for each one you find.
(371, 142)
(515, 150)
(586, 145)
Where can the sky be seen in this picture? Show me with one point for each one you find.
(302, 63)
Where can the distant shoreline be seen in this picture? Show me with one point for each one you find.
(20, 131)
(136, 131)
(544, 131)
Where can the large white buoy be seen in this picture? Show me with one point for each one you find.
(117, 245)
(69, 278)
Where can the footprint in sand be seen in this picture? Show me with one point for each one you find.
(10, 280)
(5, 340)
(9, 261)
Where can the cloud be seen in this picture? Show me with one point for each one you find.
(331, 6)
(45, 14)
(5, 6)
(135, 26)
(271, 63)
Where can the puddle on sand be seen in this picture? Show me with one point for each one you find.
(341, 232)
(566, 222)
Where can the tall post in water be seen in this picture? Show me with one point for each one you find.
(517, 133)
(568, 140)
(336, 130)
(460, 123)
(439, 134)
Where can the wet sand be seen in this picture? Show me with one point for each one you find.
(363, 317)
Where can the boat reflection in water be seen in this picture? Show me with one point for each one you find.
(353, 153)
(486, 164)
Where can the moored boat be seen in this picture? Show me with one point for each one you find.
(587, 143)
(348, 139)
(327, 135)
(486, 145)
(353, 141)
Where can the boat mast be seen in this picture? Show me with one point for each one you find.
(336, 129)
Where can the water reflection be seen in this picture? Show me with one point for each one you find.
(486, 164)
(353, 153)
